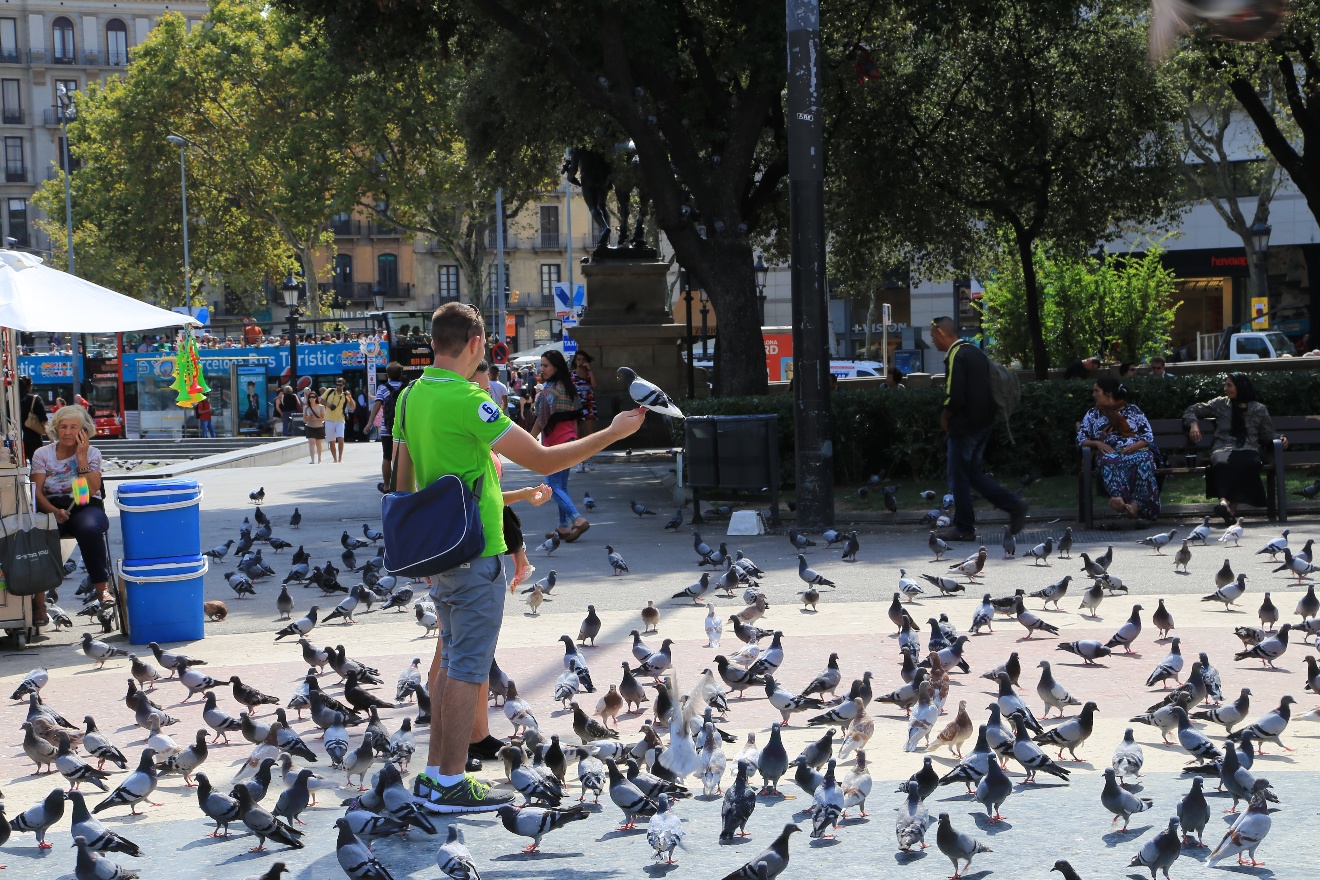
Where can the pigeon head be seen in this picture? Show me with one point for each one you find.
(627, 374)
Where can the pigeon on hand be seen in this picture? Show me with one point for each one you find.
(648, 394)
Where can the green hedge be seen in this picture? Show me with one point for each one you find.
(898, 431)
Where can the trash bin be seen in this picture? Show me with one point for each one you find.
(160, 518)
(733, 452)
(165, 598)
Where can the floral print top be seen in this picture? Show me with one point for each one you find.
(1096, 426)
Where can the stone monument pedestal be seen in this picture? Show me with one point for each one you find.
(627, 324)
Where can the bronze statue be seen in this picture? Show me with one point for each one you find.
(596, 175)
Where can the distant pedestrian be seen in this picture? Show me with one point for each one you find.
(1127, 370)
(387, 395)
(1158, 370)
(894, 379)
(1081, 369)
(314, 425)
(338, 405)
(968, 414)
(557, 411)
(1243, 428)
(286, 404)
(205, 427)
(499, 392)
(33, 413)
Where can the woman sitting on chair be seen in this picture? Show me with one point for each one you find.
(1124, 448)
(1242, 428)
(55, 467)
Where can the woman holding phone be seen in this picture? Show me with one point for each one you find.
(55, 467)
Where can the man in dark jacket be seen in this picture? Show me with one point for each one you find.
(969, 411)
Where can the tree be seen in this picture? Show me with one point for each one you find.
(1036, 116)
(1122, 306)
(411, 165)
(249, 93)
(695, 86)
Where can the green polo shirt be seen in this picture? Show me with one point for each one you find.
(449, 426)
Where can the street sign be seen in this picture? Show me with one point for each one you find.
(568, 321)
(570, 346)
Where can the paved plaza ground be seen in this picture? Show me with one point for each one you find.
(1045, 821)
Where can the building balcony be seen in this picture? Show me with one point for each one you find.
(527, 301)
(511, 242)
(381, 229)
(15, 173)
(361, 291)
(549, 241)
(11, 56)
(55, 117)
(13, 117)
(350, 228)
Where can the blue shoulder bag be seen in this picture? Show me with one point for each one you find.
(434, 529)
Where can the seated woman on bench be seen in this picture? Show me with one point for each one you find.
(1125, 459)
(1242, 428)
(55, 467)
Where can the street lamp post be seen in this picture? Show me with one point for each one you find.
(705, 309)
(182, 144)
(378, 298)
(1260, 243)
(762, 273)
(290, 290)
(66, 112)
(686, 282)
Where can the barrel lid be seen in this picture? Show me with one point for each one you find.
(144, 487)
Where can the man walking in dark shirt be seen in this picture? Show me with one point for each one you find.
(969, 411)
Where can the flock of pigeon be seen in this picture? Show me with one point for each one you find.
(684, 730)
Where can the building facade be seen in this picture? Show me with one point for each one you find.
(45, 46)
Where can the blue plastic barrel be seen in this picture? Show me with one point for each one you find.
(160, 519)
(165, 598)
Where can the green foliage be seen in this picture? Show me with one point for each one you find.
(249, 92)
(898, 431)
(1122, 307)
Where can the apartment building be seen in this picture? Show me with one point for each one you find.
(44, 46)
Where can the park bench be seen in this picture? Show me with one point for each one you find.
(1182, 457)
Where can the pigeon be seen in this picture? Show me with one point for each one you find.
(787, 702)
(1195, 743)
(1269, 726)
(38, 819)
(1065, 543)
(1182, 557)
(1275, 546)
(1029, 755)
(739, 804)
(1120, 802)
(809, 577)
(1194, 812)
(1161, 851)
(627, 797)
(1041, 552)
(665, 830)
(1301, 568)
(616, 561)
(1009, 543)
(1247, 832)
(1032, 622)
(956, 845)
(1270, 649)
(551, 544)
(454, 858)
(1128, 632)
(1128, 757)
(770, 863)
(1308, 606)
(1054, 592)
(99, 651)
(218, 553)
(1230, 592)
(1051, 693)
(1268, 613)
(1234, 533)
(91, 865)
(993, 789)
(640, 509)
(135, 788)
(302, 626)
(648, 395)
(913, 818)
(675, 521)
(937, 546)
(1170, 667)
(1158, 541)
(536, 822)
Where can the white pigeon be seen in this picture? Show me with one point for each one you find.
(907, 586)
(648, 394)
(665, 830)
(454, 858)
(714, 626)
(1233, 533)
(1201, 533)
(681, 757)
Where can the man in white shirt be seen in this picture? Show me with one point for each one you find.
(499, 392)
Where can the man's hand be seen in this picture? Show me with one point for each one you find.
(944, 421)
(627, 422)
(1194, 432)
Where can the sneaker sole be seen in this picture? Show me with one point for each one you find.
(444, 809)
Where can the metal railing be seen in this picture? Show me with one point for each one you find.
(381, 229)
(530, 300)
(12, 117)
(350, 228)
(15, 173)
(550, 241)
(54, 116)
(362, 291)
(11, 56)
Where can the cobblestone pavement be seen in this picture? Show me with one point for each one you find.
(1045, 821)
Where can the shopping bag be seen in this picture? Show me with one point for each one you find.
(30, 553)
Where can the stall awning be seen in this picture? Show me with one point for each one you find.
(36, 298)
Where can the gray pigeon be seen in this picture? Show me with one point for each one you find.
(92, 865)
(770, 863)
(1120, 802)
(993, 789)
(40, 818)
(454, 858)
(136, 787)
(739, 804)
(957, 846)
(1194, 812)
(98, 837)
(1160, 851)
(648, 394)
(356, 858)
(1128, 632)
(536, 822)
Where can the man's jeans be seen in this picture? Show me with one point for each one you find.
(965, 451)
(207, 428)
(288, 424)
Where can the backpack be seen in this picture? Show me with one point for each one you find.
(1006, 391)
(387, 407)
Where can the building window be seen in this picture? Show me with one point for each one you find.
(18, 222)
(15, 170)
(9, 40)
(62, 32)
(12, 101)
(387, 273)
(70, 92)
(490, 278)
(448, 283)
(549, 278)
(343, 269)
(550, 226)
(74, 162)
(116, 43)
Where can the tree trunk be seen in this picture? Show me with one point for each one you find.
(723, 267)
(870, 322)
(1040, 355)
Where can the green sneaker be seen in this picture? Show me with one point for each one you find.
(468, 795)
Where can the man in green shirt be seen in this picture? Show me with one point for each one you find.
(447, 425)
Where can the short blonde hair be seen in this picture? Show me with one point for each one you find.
(66, 412)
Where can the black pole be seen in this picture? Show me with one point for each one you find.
(691, 367)
(814, 457)
(293, 349)
(705, 310)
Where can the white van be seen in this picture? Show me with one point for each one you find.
(1259, 346)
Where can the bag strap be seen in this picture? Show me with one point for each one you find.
(392, 485)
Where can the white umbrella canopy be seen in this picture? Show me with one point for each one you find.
(36, 298)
